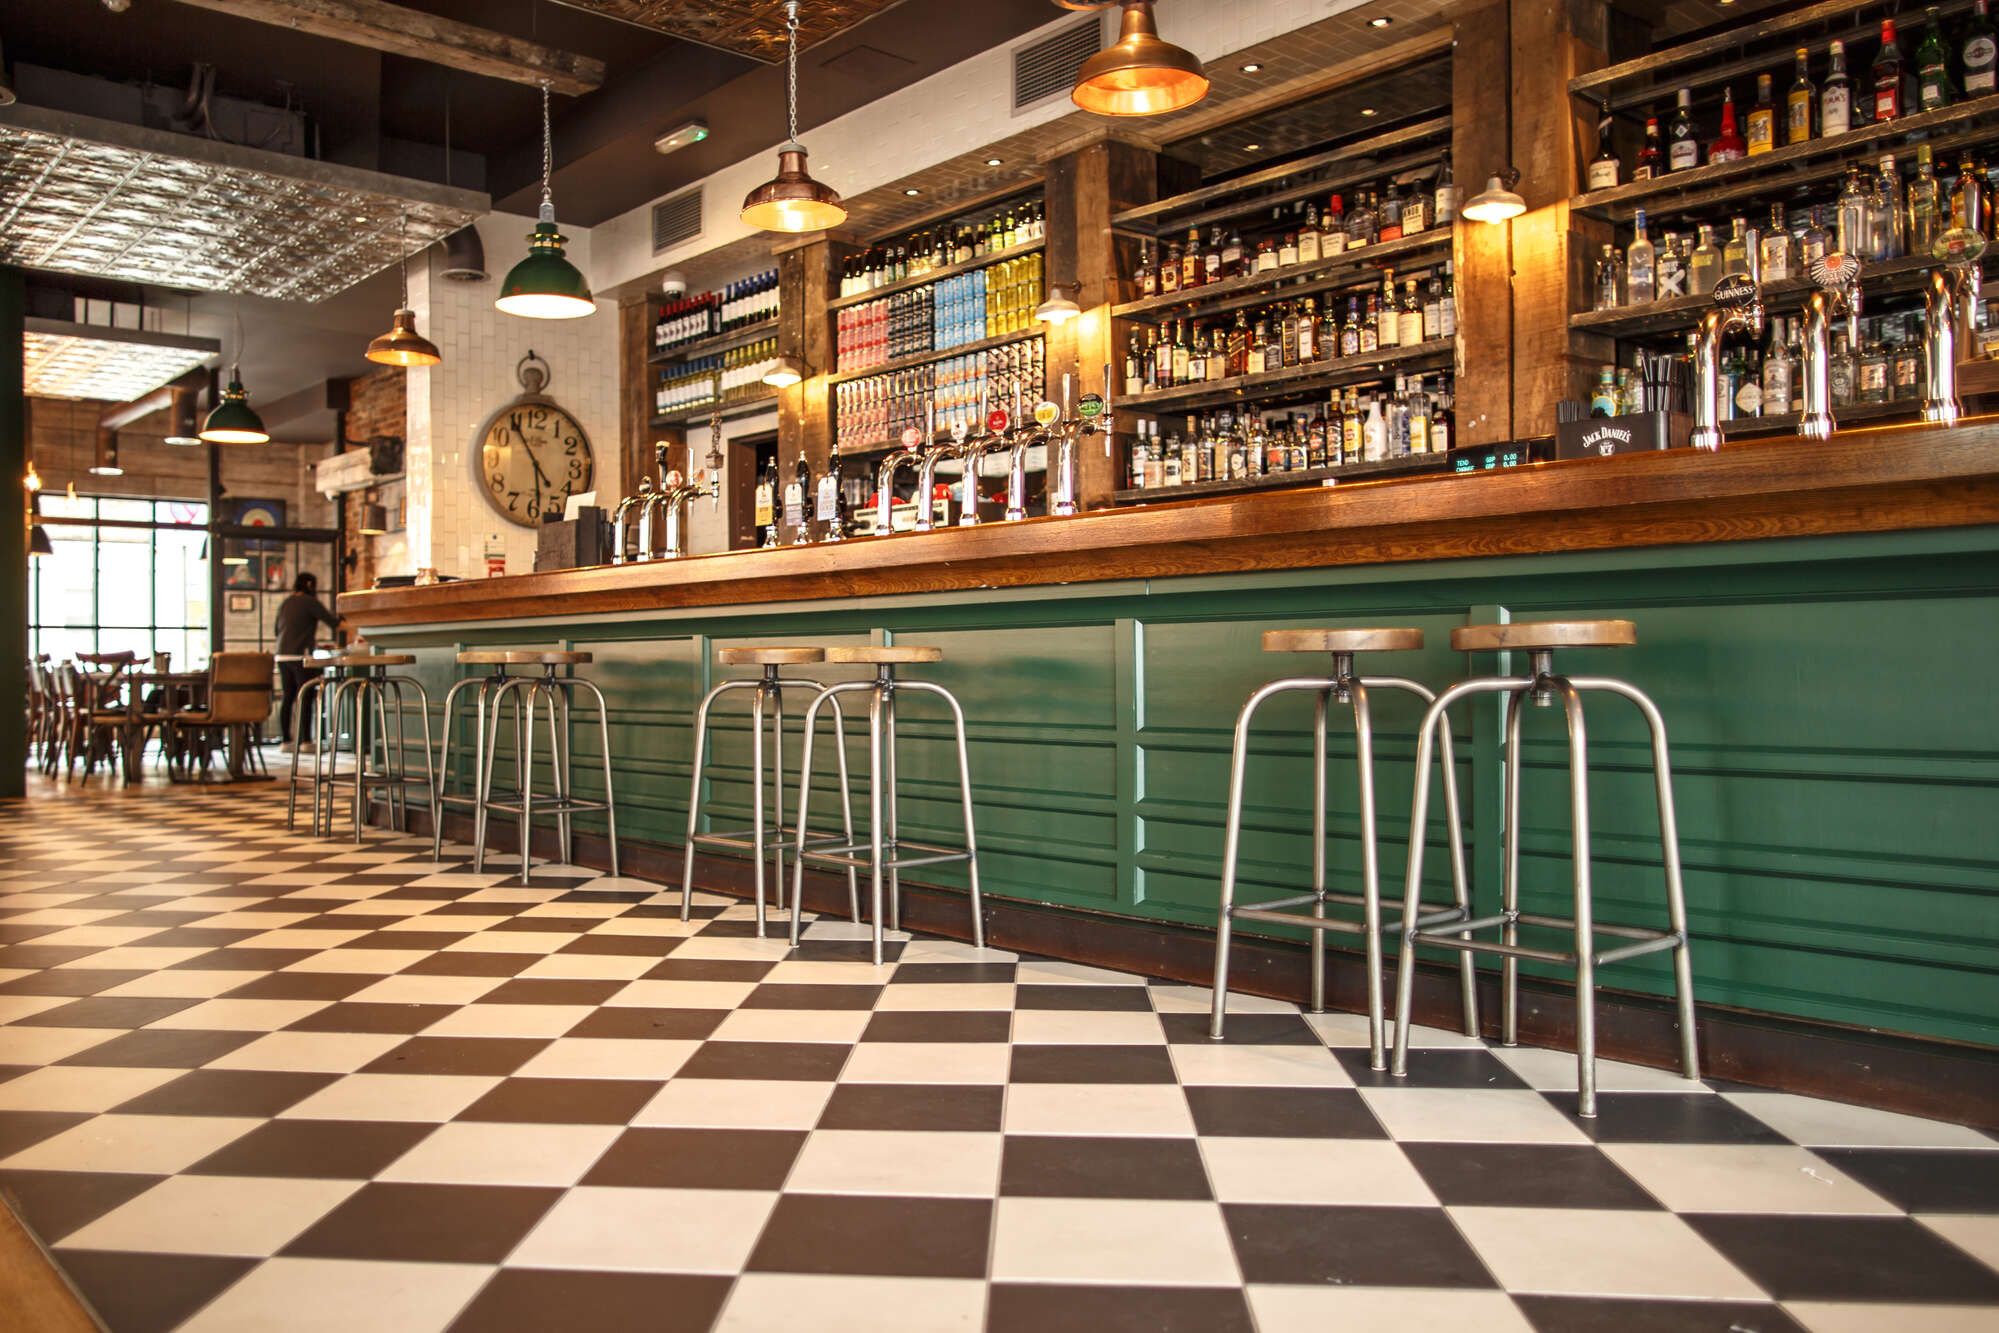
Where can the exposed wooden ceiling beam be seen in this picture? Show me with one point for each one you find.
(421, 36)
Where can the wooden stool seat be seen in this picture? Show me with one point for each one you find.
(521, 657)
(372, 660)
(1341, 640)
(1545, 634)
(769, 656)
(892, 656)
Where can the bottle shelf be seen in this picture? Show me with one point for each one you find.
(1415, 465)
(986, 260)
(1348, 268)
(1780, 171)
(916, 359)
(1150, 219)
(727, 341)
(747, 405)
(1891, 278)
(1433, 355)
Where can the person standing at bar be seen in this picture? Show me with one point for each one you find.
(299, 618)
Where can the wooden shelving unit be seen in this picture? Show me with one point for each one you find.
(745, 406)
(986, 260)
(715, 342)
(1415, 465)
(1350, 268)
(916, 359)
(1894, 278)
(1433, 355)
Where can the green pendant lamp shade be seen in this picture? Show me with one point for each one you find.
(234, 421)
(546, 285)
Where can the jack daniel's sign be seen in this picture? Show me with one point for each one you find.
(1598, 437)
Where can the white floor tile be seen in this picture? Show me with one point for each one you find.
(153, 1144)
(341, 1296)
(1470, 1115)
(898, 1162)
(736, 1103)
(923, 1062)
(475, 1153)
(1155, 1242)
(1600, 1252)
(1822, 1124)
(241, 1215)
(1120, 1109)
(1744, 1178)
(419, 1098)
(1259, 1066)
(647, 1230)
(1312, 1171)
(1382, 1310)
(609, 1057)
(771, 1303)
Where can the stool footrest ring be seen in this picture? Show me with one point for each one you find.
(549, 805)
(744, 840)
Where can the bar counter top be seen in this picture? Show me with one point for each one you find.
(1866, 479)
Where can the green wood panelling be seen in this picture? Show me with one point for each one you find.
(1834, 721)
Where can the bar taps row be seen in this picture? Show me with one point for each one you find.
(1950, 298)
(660, 513)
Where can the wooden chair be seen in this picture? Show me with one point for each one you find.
(239, 700)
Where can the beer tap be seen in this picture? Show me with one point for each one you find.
(926, 471)
(1950, 293)
(1838, 279)
(985, 441)
(1019, 441)
(1738, 305)
(1063, 489)
(910, 455)
(648, 511)
(621, 519)
(676, 493)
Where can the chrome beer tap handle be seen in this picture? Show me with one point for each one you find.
(1949, 299)
(621, 519)
(1738, 305)
(1838, 279)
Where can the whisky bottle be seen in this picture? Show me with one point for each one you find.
(1836, 97)
(1410, 329)
(1197, 358)
(1651, 161)
(1238, 348)
(1211, 261)
(1333, 229)
(1232, 255)
(1148, 273)
(1775, 264)
(1308, 236)
(1308, 332)
(1444, 201)
(1183, 354)
(1388, 334)
(1763, 118)
(1735, 251)
(1193, 269)
(1603, 168)
(1800, 102)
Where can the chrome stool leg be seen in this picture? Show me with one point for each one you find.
(443, 770)
(604, 755)
(965, 801)
(827, 695)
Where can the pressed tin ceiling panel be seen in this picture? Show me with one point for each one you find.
(753, 28)
(65, 360)
(98, 197)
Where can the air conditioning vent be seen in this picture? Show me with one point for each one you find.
(1047, 68)
(675, 220)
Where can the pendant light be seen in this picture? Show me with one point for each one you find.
(546, 285)
(105, 464)
(1060, 307)
(234, 421)
(786, 371)
(402, 345)
(792, 201)
(1497, 201)
(1140, 75)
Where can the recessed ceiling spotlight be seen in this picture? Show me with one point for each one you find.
(993, 161)
(1383, 21)
(1369, 111)
(1251, 68)
(912, 192)
(1252, 147)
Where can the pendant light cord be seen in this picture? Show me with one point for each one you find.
(404, 239)
(791, 84)
(547, 159)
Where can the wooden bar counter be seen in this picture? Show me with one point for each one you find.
(1818, 622)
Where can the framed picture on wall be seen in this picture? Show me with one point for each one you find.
(239, 602)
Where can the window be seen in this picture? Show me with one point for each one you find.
(126, 574)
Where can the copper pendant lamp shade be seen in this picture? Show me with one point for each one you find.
(792, 201)
(402, 345)
(1141, 75)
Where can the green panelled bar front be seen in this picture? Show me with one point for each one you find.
(1831, 705)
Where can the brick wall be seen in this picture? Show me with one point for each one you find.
(377, 408)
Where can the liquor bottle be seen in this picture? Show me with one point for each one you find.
(1603, 169)
(1780, 371)
(1169, 269)
(1980, 52)
(1410, 323)
(1888, 218)
(1607, 295)
(1684, 150)
(1735, 251)
(1419, 417)
(1374, 432)
(1933, 86)
(1183, 354)
(1448, 315)
(1651, 161)
(1258, 359)
(1704, 269)
(1925, 204)
(1836, 97)
(1193, 267)
(1370, 327)
(795, 496)
(1287, 250)
(1445, 201)
(1350, 331)
(1333, 228)
(766, 504)
(1639, 264)
(1162, 362)
(1218, 355)
(1763, 118)
(830, 504)
(1389, 331)
(1443, 422)
(1603, 403)
(1197, 358)
(1232, 255)
(1148, 272)
(1211, 259)
(1308, 236)
(1389, 224)
(1415, 212)
(1728, 146)
(1433, 308)
(1800, 102)
(1775, 263)
(1816, 241)
(1889, 101)
(1850, 230)
(1238, 345)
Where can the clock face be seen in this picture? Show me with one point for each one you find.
(532, 458)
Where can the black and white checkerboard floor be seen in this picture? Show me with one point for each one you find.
(250, 1080)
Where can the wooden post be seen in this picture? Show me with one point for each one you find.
(1482, 254)
(635, 432)
(807, 281)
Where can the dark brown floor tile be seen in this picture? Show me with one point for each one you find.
(533, 1300)
(845, 951)
(574, 925)
(1590, 1314)
(1924, 1180)
(55, 1203)
(245, 960)
(68, 981)
(1666, 1117)
(323, 1149)
(1797, 1258)
(467, 1224)
(1118, 999)
(1047, 1308)
(1283, 1113)
(34, 956)
(303, 986)
(723, 1159)
(1240, 1030)
(140, 917)
(793, 996)
(664, 1024)
(810, 1061)
(1376, 1247)
(1521, 1175)
(552, 990)
(149, 1293)
(348, 1016)
(459, 909)
(1052, 1167)
(708, 969)
(163, 1048)
(924, 1106)
(825, 1233)
(430, 941)
(14, 936)
(929, 1025)
(943, 974)
(564, 1101)
(228, 1092)
(632, 946)
(470, 963)
(457, 1055)
(1435, 1069)
(106, 1011)
(198, 937)
(1092, 1064)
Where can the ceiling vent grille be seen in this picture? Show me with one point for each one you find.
(675, 220)
(1047, 68)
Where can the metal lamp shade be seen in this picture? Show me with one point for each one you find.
(1141, 75)
(1495, 203)
(545, 285)
(234, 421)
(402, 345)
(1060, 307)
(374, 520)
(786, 371)
(793, 201)
(38, 541)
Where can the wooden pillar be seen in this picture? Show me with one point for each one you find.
(635, 432)
(13, 538)
(807, 282)
(1481, 254)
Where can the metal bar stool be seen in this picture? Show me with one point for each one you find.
(365, 691)
(310, 701)
(485, 686)
(1347, 688)
(526, 691)
(766, 699)
(1543, 686)
(885, 846)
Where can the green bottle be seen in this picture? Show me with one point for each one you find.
(1933, 87)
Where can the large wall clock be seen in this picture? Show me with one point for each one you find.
(531, 455)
